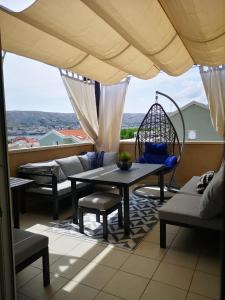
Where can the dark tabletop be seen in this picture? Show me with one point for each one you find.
(19, 182)
(113, 175)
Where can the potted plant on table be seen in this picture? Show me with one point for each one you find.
(124, 160)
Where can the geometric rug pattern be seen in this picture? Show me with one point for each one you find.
(143, 215)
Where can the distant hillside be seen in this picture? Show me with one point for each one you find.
(38, 118)
(52, 120)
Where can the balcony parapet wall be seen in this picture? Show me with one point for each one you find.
(19, 157)
(198, 156)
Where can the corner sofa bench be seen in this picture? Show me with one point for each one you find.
(183, 209)
(51, 181)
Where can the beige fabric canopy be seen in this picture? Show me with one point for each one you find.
(107, 40)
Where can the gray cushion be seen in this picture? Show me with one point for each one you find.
(190, 187)
(27, 244)
(44, 167)
(70, 165)
(100, 201)
(110, 158)
(211, 203)
(183, 208)
(85, 161)
(63, 188)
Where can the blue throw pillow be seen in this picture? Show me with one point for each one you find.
(170, 161)
(96, 159)
(156, 148)
(141, 160)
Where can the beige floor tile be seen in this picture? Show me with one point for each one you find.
(64, 244)
(169, 228)
(160, 291)
(187, 239)
(181, 258)
(150, 250)
(68, 266)
(74, 290)
(105, 296)
(35, 289)
(22, 297)
(206, 284)
(51, 236)
(86, 250)
(111, 257)
(209, 264)
(126, 286)
(154, 237)
(139, 265)
(53, 257)
(192, 296)
(38, 228)
(174, 275)
(95, 275)
(26, 275)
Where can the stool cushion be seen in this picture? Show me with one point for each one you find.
(26, 244)
(100, 201)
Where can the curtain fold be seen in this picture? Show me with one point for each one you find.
(213, 79)
(110, 115)
(82, 97)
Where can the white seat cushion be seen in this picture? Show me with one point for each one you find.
(63, 187)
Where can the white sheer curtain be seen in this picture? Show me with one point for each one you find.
(213, 79)
(110, 115)
(82, 97)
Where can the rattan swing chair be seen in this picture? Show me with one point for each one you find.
(157, 129)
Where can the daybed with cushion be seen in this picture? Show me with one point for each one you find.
(51, 176)
(188, 208)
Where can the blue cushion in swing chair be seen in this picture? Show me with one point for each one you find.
(156, 153)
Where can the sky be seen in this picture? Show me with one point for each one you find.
(31, 85)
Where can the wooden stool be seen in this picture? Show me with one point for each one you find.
(100, 203)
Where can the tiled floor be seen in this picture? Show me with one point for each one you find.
(188, 269)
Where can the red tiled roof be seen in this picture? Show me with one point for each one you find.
(73, 132)
(25, 139)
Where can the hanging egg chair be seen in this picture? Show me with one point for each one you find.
(157, 142)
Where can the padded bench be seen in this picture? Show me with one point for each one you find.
(183, 209)
(28, 247)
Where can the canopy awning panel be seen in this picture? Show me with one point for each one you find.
(107, 40)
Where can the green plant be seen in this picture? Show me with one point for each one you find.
(124, 156)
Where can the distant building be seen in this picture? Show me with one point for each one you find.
(197, 121)
(23, 142)
(63, 136)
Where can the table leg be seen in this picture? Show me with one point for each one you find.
(161, 183)
(16, 205)
(74, 202)
(126, 210)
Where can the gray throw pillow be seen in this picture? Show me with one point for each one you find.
(85, 161)
(110, 158)
(70, 165)
(211, 202)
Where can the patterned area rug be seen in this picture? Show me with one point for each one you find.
(143, 215)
